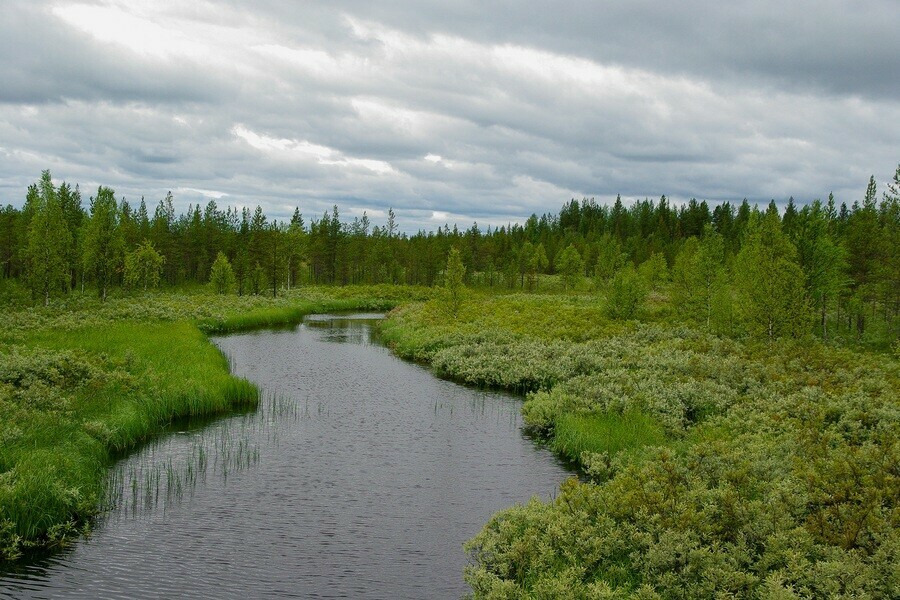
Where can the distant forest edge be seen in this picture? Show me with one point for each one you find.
(839, 266)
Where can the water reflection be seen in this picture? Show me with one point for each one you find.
(359, 476)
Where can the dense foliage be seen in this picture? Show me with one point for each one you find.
(840, 262)
(711, 370)
(715, 467)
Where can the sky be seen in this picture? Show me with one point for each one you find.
(449, 112)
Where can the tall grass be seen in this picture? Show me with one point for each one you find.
(83, 381)
(149, 375)
(607, 433)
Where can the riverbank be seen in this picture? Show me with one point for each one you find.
(83, 380)
(718, 466)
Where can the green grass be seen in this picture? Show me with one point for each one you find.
(125, 383)
(289, 315)
(608, 433)
(83, 381)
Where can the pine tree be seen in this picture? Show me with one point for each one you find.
(295, 247)
(276, 255)
(824, 261)
(862, 236)
(889, 268)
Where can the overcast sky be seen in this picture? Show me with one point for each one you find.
(454, 111)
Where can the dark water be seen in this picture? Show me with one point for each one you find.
(360, 476)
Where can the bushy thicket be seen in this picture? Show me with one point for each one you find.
(779, 474)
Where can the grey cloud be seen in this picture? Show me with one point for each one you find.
(42, 60)
(831, 46)
(637, 98)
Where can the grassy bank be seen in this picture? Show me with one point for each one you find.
(719, 467)
(82, 380)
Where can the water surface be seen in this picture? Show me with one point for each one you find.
(361, 475)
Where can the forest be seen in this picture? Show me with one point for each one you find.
(833, 268)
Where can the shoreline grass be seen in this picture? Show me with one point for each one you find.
(83, 383)
(604, 433)
(103, 392)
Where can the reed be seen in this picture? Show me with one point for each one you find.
(138, 378)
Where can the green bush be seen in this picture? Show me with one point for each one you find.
(718, 467)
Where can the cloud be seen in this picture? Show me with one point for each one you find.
(303, 150)
(467, 110)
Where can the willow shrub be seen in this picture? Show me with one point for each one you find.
(757, 469)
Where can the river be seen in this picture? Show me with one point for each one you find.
(360, 475)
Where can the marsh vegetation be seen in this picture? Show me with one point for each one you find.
(715, 465)
(357, 475)
(82, 382)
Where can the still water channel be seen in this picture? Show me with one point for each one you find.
(360, 476)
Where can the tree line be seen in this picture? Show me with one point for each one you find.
(837, 263)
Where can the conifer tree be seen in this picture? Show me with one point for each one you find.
(823, 261)
(295, 247)
(862, 236)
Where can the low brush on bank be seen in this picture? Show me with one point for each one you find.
(718, 467)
